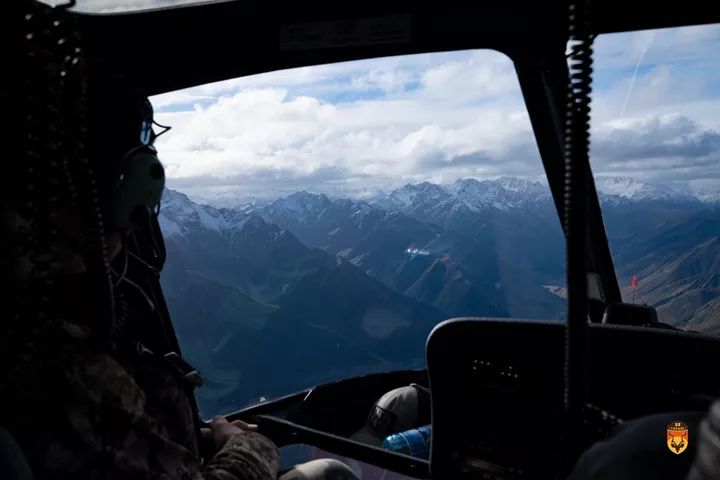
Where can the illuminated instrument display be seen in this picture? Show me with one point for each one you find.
(501, 371)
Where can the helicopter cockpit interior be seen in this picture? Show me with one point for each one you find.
(511, 398)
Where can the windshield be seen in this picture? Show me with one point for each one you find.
(656, 154)
(321, 221)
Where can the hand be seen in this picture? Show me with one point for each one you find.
(221, 430)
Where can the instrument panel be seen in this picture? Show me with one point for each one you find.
(496, 400)
(497, 388)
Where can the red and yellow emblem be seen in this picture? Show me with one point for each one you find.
(677, 437)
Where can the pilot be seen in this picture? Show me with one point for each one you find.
(638, 449)
(71, 406)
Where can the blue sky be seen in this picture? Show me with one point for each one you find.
(352, 128)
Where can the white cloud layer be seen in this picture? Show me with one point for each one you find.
(351, 128)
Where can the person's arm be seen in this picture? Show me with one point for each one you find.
(246, 456)
(82, 415)
(243, 453)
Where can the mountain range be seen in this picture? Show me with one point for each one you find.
(243, 292)
(307, 288)
(610, 188)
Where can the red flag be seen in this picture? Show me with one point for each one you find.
(634, 282)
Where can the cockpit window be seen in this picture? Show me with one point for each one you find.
(656, 154)
(321, 221)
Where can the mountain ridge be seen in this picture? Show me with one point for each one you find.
(363, 281)
(506, 188)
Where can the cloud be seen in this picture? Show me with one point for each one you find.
(482, 74)
(669, 148)
(653, 136)
(379, 123)
(411, 133)
(388, 81)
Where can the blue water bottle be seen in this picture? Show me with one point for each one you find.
(415, 442)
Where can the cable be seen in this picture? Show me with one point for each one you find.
(138, 288)
(58, 174)
(139, 259)
(576, 155)
(80, 169)
(125, 264)
(151, 230)
(592, 38)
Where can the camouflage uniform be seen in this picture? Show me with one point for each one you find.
(81, 412)
(84, 414)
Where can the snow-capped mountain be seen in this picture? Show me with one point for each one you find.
(466, 206)
(706, 191)
(707, 195)
(637, 190)
(503, 194)
(302, 212)
(469, 195)
(300, 206)
(310, 216)
(229, 199)
(412, 194)
(507, 193)
(243, 291)
(307, 276)
(179, 214)
(455, 274)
